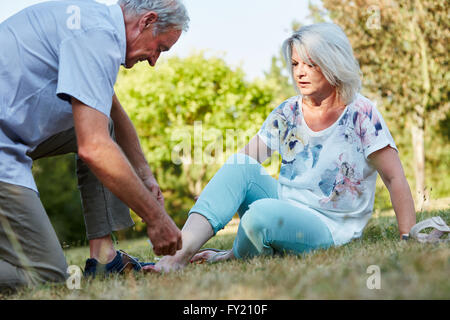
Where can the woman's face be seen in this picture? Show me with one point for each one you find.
(309, 78)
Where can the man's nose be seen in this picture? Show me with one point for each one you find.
(155, 58)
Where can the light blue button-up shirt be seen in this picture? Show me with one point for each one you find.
(48, 53)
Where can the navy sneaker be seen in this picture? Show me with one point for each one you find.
(122, 263)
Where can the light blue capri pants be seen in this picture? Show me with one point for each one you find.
(268, 225)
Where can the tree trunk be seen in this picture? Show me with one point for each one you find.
(417, 131)
(418, 123)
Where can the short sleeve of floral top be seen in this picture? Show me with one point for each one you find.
(327, 172)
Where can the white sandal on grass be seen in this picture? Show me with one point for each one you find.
(436, 235)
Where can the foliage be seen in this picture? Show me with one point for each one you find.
(57, 184)
(191, 114)
(402, 50)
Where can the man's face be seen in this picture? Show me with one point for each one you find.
(147, 46)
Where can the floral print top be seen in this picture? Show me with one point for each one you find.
(327, 172)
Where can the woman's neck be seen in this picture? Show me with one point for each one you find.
(323, 102)
(320, 114)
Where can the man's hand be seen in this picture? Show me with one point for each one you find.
(153, 186)
(165, 236)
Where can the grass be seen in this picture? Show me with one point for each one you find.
(409, 270)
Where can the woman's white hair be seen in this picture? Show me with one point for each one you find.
(172, 14)
(326, 45)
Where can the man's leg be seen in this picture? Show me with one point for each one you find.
(103, 211)
(30, 252)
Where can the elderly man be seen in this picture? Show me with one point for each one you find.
(58, 65)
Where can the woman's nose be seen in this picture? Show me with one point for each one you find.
(299, 70)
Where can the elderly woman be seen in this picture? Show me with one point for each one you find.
(332, 141)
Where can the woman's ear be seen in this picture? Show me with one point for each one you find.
(147, 20)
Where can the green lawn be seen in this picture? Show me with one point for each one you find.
(409, 270)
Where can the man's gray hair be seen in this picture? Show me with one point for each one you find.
(326, 45)
(172, 14)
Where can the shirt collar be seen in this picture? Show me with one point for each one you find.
(119, 23)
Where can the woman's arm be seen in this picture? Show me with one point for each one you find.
(388, 165)
(257, 149)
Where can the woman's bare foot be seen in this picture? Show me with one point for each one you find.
(212, 256)
(195, 233)
(168, 264)
(179, 261)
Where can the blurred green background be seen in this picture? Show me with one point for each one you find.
(191, 113)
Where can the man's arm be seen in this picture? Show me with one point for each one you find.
(128, 140)
(106, 160)
(388, 165)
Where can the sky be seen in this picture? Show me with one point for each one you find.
(246, 33)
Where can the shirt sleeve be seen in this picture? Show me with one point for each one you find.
(274, 128)
(373, 130)
(88, 67)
